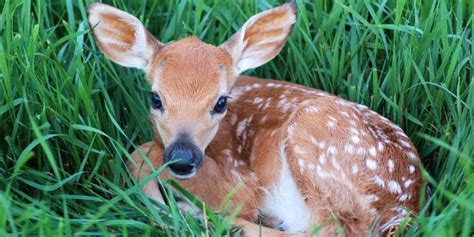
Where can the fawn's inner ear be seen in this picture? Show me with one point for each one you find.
(122, 37)
(261, 38)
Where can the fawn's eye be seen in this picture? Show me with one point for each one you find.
(156, 101)
(221, 105)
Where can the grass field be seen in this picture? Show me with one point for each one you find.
(69, 118)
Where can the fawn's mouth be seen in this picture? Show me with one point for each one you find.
(183, 176)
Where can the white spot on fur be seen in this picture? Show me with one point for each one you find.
(355, 169)
(242, 126)
(403, 197)
(291, 129)
(361, 151)
(373, 212)
(233, 120)
(267, 104)
(380, 146)
(344, 113)
(311, 109)
(342, 102)
(349, 149)
(320, 172)
(373, 113)
(335, 164)
(371, 164)
(253, 176)
(286, 107)
(404, 144)
(236, 175)
(400, 133)
(282, 102)
(408, 183)
(412, 155)
(332, 150)
(352, 122)
(398, 129)
(285, 196)
(320, 145)
(257, 100)
(379, 181)
(355, 139)
(331, 124)
(394, 187)
(372, 151)
(299, 150)
(322, 159)
(354, 130)
(239, 149)
(361, 107)
(411, 168)
(236, 92)
(227, 152)
(382, 135)
(372, 198)
(315, 142)
(301, 164)
(391, 166)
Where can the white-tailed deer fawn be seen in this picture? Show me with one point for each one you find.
(305, 156)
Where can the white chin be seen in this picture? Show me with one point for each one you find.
(179, 176)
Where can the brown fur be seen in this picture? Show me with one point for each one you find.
(345, 198)
(353, 167)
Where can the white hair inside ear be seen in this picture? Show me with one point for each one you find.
(261, 38)
(121, 36)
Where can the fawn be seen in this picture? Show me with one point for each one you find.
(305, 156)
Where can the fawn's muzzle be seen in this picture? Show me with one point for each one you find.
(185, 156)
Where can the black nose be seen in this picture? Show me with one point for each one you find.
(184, 155)
(183, 161)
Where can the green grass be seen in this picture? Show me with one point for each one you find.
(69, 118)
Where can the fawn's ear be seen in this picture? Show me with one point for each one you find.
(261, 38)
(121, 36)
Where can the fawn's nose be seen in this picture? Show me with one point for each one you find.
(185, 156)
(183, 162)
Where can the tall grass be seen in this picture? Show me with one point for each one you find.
(69, 118)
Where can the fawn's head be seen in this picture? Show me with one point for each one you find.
(190, 80)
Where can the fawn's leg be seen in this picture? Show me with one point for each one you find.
(140, 170)
(210, 184)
